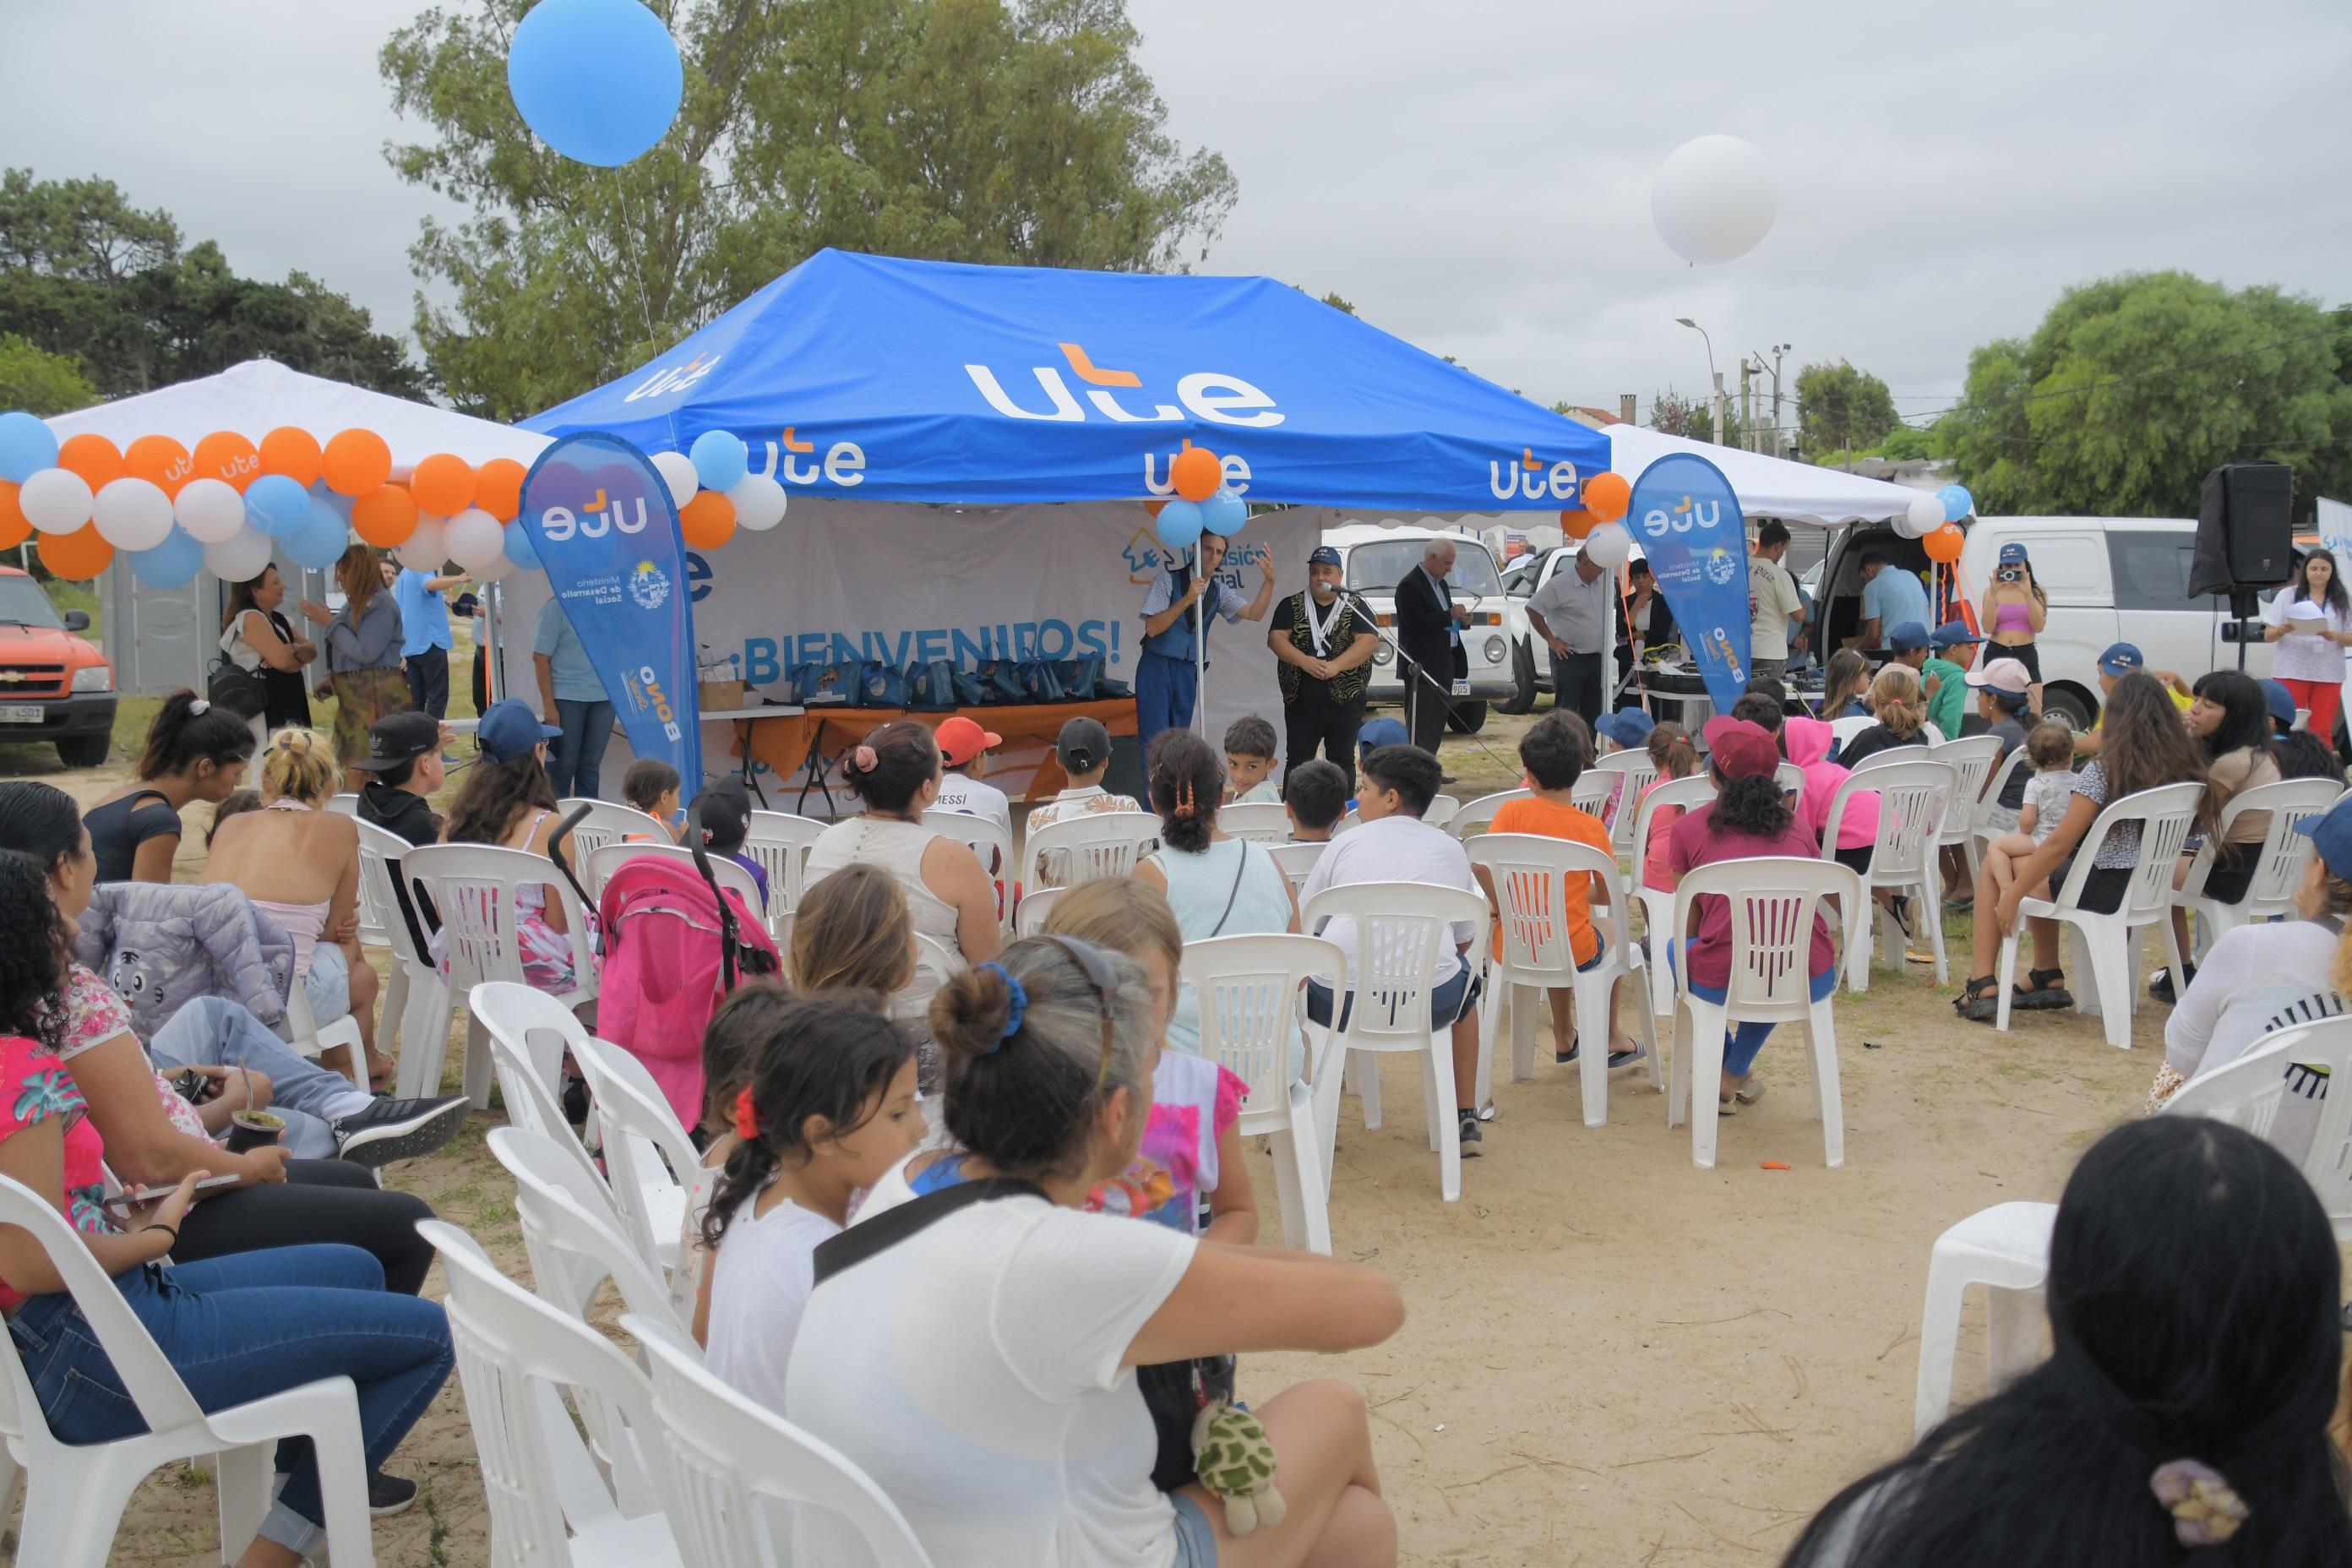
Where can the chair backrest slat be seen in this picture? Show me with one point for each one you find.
(781, 843)
(1774, 901)
(1263, 820)
(1088, 845)
(1394, 933)
(1479, 814)
(2263, 1093)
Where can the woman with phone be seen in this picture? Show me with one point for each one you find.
(2015, 610)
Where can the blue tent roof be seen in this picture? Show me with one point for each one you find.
(930, 381)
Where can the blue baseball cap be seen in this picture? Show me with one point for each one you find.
(2012, 553)
(1907, 636)
(2280, 699)
(2121, 659)
(1323, 555)
(1627, 727)
(2330, 833)
(1382, 732)
(509, 729)
(1953, 633)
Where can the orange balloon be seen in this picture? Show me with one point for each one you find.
(443, 485)
(385, 517)
(356, 462)
(708, 520)
(1155, 507)
(498, 487)
(224, 454)
(14, 529)
(1197, 473)
(1577, 524)
(94, 457)
(79, 555)
(161, 461)
(293, 452)
(1944, 545)
(1606, 495)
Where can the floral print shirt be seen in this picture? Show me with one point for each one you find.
(94, 1015)
(36, 1087)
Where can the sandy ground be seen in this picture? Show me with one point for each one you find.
(1611, 1357)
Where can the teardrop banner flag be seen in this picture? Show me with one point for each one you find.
(1685, 519)
(602, 523)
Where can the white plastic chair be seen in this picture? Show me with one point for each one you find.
(1972, 759)
(936, 961)
(1915, 799)
(1479, 814)
(474, 888)
(2250, 1092)
(1980, 830)
(1530, 873)
(518, 1357)
(76, 1494)
(1037, 905)
(1091, 844)
(2279, 860)
(1846, 729)
(1639, 772)
(2106, 968)
(1591, 792)
(2005, 1249)
(606, 822)
(1261, 821)
(781, 843)
(602, 862)
(308, 1037)
(1297, 861)
(1774, 900)
(1348, 819)
(985, 838)
(416, 1015)
(523, 1035)
(730, 1460)
(1441, 811)
(1399, 929)
(1789, 778)
(1658, 904)
(1252, 994)
(345, 804)
(643, 1144)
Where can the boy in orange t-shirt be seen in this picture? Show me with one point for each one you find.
(1555, 752)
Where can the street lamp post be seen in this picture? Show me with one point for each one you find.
(1780, 443)
(1715, 377)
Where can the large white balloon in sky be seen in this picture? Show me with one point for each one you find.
(1714, 199)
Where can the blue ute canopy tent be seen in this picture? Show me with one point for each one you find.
(936, 381)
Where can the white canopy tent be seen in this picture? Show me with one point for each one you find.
(1768, 487)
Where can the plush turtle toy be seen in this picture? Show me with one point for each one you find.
(1235, 1461)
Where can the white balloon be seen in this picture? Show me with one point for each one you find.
(475, 538)
(677, 470)
(210, 510)
(57, 500)
(240, 557)
(1609, 546)
(1713, 199)
(132, 514)
(758, 502)
(1921, 518)
(427, 550)
(496, 570)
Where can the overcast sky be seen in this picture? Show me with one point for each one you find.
(1474, 174)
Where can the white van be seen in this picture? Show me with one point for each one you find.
(1375, 560)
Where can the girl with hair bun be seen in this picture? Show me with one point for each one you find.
(299, 864)
(985, 1307)
(194, 751)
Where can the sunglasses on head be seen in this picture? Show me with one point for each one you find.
(1095, 964)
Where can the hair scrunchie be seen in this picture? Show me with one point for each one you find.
(1016, 1006)
(747, 1119)
(2206, 1510)
(864, 760)
(199, 707)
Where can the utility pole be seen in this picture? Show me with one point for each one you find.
(1746, 405)
(1780, 446)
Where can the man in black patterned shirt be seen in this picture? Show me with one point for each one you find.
(1323, 643)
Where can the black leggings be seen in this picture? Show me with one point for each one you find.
(320, 1200)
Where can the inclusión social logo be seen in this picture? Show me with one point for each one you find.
(1205, 394)
(1531, 478)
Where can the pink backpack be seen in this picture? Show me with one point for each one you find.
(675, 945)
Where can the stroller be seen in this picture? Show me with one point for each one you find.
(676, 945)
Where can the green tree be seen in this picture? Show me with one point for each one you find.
(38, 382)
(87, 277)
(1691, 417)
(1907, 441)
(1018, 132)
(1842, 408)
(2133, 387)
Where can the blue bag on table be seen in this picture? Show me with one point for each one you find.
(881, 685)
(821, 683)
(931, 687)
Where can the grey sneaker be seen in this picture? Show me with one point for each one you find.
(1474, 1137)
(391, 1130)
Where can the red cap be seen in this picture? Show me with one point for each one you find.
(1741, 750)
(960, 740)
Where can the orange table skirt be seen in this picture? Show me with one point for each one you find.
(1030, 730)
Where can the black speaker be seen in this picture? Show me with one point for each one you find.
(2245, 538)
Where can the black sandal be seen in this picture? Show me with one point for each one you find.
(2048, 991)
(1979, 999)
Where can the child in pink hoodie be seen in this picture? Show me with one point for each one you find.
(1807, 742)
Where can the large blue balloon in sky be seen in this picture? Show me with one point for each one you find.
(599, 80)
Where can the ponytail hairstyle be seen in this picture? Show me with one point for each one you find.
(188, 730)
(36, 945)
(889, 768)
(854, 933)
(299, 766)
(1672, 752)
(798, 1058)
(42, 821)
(1895, 697)
(1036, 1043)
(1187, 783)
(1844, 677)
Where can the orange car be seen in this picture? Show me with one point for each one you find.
(53, 686)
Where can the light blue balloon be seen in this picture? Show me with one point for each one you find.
(519, 548)
(1958, 502)
(26, 447)
(721, 460)
(321, 540)
(340, 503)
(1181, 523)
(171, 565)
(277, 506)
(598, 81)
(1224, 513)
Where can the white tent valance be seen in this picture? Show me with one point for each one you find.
(1768, 487)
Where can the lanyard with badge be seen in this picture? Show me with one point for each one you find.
(1321, 630)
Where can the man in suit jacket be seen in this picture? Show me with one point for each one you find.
(1429, 629)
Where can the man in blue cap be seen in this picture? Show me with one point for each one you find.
(1323, 645)
(2121, 659)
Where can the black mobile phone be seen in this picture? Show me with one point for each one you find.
(189, 1085)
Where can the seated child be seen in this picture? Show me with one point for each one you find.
(2051, 749)
(963, 755)
(651, 785)
(725, 812)
(1249, 762)
(1674, 756)
(1626, 730)
(1316, 795)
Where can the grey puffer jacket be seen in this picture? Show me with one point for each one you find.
(163, 945)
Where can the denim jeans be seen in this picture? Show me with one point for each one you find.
(213, 1031)
(1744, 1040)
(236, 1329)
(574, 762)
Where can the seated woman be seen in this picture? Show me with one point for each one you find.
(1018, 1320)
(2230, 721)
(299, 864)
(2196, 1360)
(506, 801)
(235, 1329)
(895, 775)
(1217, 886)
(194, 751)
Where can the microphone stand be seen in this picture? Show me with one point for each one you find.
(1406, 660)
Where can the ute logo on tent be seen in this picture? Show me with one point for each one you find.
(845, 462)
(1530, 477)
(673, 378)
(1219, 398)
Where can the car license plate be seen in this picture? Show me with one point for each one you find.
(1462, 687)
(27, 715)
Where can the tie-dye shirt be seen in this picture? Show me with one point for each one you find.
(35, 1087)
(1193, 1101)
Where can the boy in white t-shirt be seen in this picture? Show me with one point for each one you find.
(963, 749)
